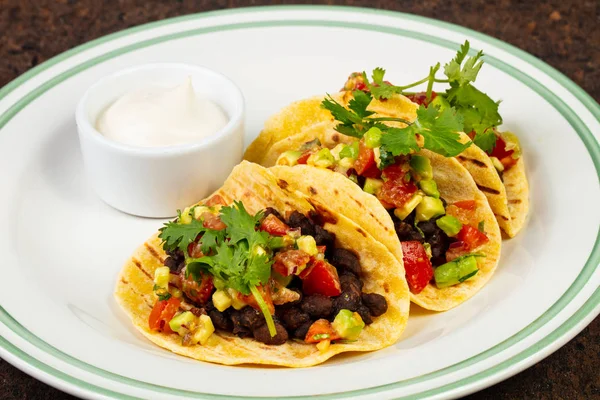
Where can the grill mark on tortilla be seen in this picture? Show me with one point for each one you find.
(386, 287)
(488, 190)
(139, 265)
(359, 230)
(472, 160)
(282, 184)
(152, 251)
(515, 201)
(124, 281)
(312, 190)
(321, 215)
(335, 137)
(503, 217)
(336, 192)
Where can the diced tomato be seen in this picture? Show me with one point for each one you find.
(508, 162)
(421, 98)
(464, 215)
(197, 291)
(322, 249)
(320, 277)
(396, 192)
(499, 151)
(212, 221)
(365, 163)
(304, 157)
(321, 330)
(290, 262)
(419, 270)
(396, 171)
(472, 237)
(274, 226)
(455, 250)
(162, 312)
(266, 295)
(215, 200)
(194, 249)
(466, 204)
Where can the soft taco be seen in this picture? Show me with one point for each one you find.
(425, 208)
(258, 273)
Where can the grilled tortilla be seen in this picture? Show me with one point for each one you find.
(258, 189)
(454, 183)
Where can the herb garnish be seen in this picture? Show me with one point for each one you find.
(239, 255)
(469, 110)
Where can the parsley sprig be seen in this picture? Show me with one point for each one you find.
(438, 128)
(238, 255)
(479, 113)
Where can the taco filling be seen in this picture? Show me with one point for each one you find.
(264, 276)
(439, 240)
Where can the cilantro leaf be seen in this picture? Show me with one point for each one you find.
(463, 74)
(210, 240)
(386, 157)
(440, 130)
(360, 102)
(176, 235)
(399, 141)
(485, 140)
(241, 225)
(377, 75)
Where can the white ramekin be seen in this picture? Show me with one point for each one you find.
(156, 182)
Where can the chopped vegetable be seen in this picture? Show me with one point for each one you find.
(320, 330)
(348, 324)
(419, 270)
(162, 312)
(321, 278)
(274, 226)
(455, 272)
(428, 208)
(308, 245)
(449, 224)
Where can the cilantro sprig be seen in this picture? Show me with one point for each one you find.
(438, 128)
(238, 255)
(478, 112)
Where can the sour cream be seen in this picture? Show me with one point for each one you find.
(156, 116)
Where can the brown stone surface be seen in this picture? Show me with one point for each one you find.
(564, 34)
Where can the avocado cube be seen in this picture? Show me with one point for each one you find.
(422, 166)
(428, 208)
(373, 138)
(430, 188)
(161, 277)
(205, 330)
(221, 300)
(178, 321)
(455, 272)
(449, 224)
(321, 159)
(348, 324)
(350, 151)
(308, 245)
(408, 207)
(372, 185)
(289, 158)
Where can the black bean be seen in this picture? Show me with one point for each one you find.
(317, 306)
(251, 318)
(270, 210)
(301, 332)
(262, 334)
(365, 314)
(238, 328)
(349, 282)
(428, 227)
(345, 259)
(172, 264)
(292, 318)
(299, 220)
(376, 303)
(324, 238)
(220, 320)
(349, 300)
(439, 246)
(407, 232)
(197, 311)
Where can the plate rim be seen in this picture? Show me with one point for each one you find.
(542, 348)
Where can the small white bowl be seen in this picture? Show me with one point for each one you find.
(157, 181)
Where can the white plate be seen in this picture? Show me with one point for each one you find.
(62, 247)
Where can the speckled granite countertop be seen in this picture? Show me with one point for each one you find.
(564, 34)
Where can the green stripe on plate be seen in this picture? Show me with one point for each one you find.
(584, 133)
